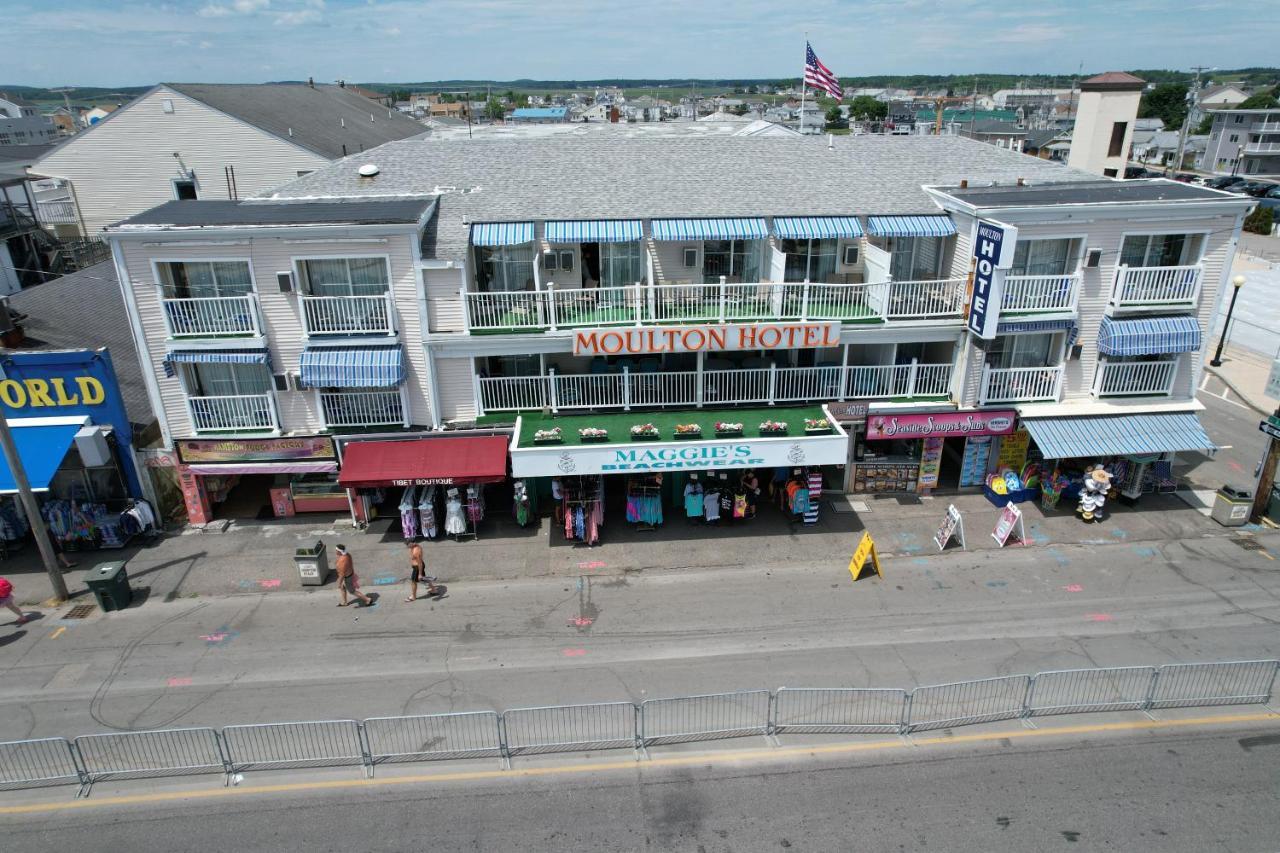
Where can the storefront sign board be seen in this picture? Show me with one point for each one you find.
(1013, 451)
(849, 413)
(709, 337)
(1010, 517)
(866, 549)
(993, 248)
(952, 525)
(930, 462)
(942, 424)
(679, 456)
(256, 449)
(973, 467)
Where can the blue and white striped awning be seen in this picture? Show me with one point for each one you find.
(911, 226)
(816, 227)
(1148, 336)
(710, 229)
(501, 233)
(1117, 435)
(1014, 327)
(351, 367)
(215, 356)
(594, 230)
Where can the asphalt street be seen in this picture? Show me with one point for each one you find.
(1210, 787)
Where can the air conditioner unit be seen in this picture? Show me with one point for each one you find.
(1092, 258)
(285, 280)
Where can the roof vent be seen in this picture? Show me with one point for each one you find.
(964, 184)
(1022, 182)
(368, 170)
(342, 121)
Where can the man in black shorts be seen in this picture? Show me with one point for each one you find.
(417, 571)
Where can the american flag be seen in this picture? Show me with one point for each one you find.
(819, 76)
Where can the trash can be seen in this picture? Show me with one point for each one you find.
(313, 564)
(1231, 506)
(109, 583)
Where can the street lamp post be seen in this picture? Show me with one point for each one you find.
(1235, 165)
(1236, 284)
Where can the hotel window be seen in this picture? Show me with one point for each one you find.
(1044, 257)
(810, 260)
(621, 264)
(1160, 250)
(736, 260)
(916, 258)
(226, 380)
(1035, 350)
(504, 268)
(204, 279)
(1116, 148)
(345, 276)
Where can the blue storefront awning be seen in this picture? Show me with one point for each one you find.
(910, 226)
(41, 446)
(218, 356)
(501, 233)
(351, 367)
(816, 227)
(710, 229)
(1013, 327)
(594, 230)
(1117, 435)
(1148, 336)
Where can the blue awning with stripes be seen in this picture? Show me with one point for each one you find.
(1013, 327)
(594, 230)
(911, 226)
(501, 233)
(351, 367)
(1148, 336)
(710, 229)
(1117, 435)
(816, 227)
(215, 356)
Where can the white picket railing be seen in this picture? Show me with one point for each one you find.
(57, 212)
(631, 389)
(924, 300)
(595, 306)
(362, 408)
(1021, 384)
(212, 316)
(247, 413)
(348, 315)
(1039, 294)
(1135, 378)
(1138, 288)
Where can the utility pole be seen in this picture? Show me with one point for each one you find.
(1193, 100)
(1266, 477)
(973, 107)
(38, 530)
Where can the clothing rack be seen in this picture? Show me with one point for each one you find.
(582, 503)
(644, 504)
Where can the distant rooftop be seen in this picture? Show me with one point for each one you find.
(1113, 81)
(539, 112)
(199, 214)
(1086, 192)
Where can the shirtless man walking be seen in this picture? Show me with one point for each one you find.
(417, 571)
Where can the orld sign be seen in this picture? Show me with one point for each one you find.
(705, 338)
(940, 424)
(993, 248)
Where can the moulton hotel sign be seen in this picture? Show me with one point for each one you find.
(719, 337)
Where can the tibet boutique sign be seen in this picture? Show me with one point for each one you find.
(940, 424)
(706, 338)
(682, 456)
(993, 249)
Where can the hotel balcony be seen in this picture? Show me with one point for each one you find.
(348, 316)
(1155, 289)
(254, 413)
(1048, 297)
(212, 317)
(772, 385)
(1135, 378)
(347, 409)
(1021, 385)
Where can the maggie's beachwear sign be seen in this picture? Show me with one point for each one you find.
(684, 456)
(942, 424)
(706, 338)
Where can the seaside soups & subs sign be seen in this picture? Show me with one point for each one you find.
(940, 424)
(721, 337)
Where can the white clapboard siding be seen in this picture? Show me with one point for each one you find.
(444, 301)
(124, 165)
(457, 388)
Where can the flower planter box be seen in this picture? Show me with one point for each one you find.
(686, 436)
(818, 431)
(645, 436)
(773, 433)
(728, 433)
(556, 440)
(593, 439)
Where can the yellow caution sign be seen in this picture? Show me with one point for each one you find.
(858, 565)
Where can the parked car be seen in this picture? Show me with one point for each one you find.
(1132, 172)
(1258, 189)
(1271, 199)
(1187, 178)
(1223, 181)
(1241, 188)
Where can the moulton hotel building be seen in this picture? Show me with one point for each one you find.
(439, 313)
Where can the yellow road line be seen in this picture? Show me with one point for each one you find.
(58, 633)
(631, 764)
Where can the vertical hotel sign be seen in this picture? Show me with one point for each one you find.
(993, 248)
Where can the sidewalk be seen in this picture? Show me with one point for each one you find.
(1245, 372)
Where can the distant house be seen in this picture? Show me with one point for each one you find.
(1047, 144)
(22, 124)
(1224, 97)
(93, 115)
(539, 115)
(195, 140)
(1002, 134)
(65, 121)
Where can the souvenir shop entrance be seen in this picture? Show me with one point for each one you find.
(259, 478)
(430, 487)
(919, 452)
(717, 468)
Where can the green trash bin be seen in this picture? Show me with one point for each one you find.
(109, 583)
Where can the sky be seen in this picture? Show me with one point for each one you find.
(128, 43)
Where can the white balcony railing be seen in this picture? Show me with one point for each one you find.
(57, 212)
(1156, 288)
(628, 389)
(348, 315)
(1135, 378)
(1262, 148)
(363, 408)
(1040, 294)
(212, 317)
(1021, 384)
(249, 413)
(722, 302)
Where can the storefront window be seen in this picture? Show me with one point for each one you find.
(1009, 351)
(916, 258)
(621, 264)
(227, 380)
(1160, 250)
(810, 260)
(512, 365)
(504, 268)
(346, 276)
(204, 279)
(736, 260)
(1043, 257)
(74, 482)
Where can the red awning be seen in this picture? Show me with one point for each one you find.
(424, 461)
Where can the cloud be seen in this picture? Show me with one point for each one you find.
(237, 7)
(392, 31)
(297, 18)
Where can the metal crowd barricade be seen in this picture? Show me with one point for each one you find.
(1076, 691)
(569, 728)
(706, 717)
(433, 737)
(38, 763)
(1238, 682)
(315, 743)
(136, 755)
(838, 709)
(941, 706)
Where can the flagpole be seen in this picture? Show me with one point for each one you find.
(804, 90)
